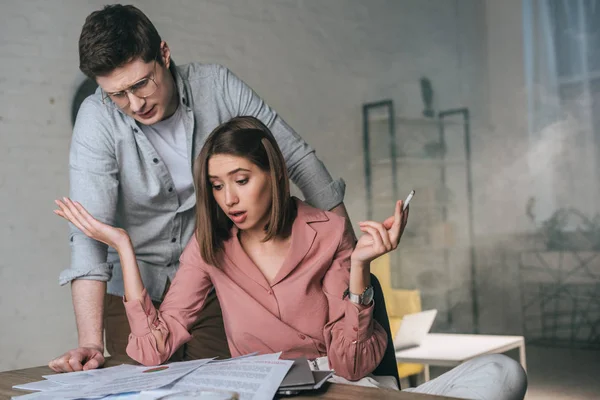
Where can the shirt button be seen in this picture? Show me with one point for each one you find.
(301, 336)
(135, 130)
(155, 160)
(173, 240)
(170, 189)
(270, 292)
(355, 329)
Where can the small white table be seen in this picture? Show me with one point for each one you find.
(450, 350)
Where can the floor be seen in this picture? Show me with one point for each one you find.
(562, 373)
(556, 373)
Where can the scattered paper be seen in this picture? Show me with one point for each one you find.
(39, 386)
(143, 378)
(249, 377)
(114, 380)
(92, 375)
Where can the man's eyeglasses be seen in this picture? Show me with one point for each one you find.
(141, 89)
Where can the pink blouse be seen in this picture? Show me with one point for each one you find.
(301, 313)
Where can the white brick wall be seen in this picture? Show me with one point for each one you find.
(315, 61)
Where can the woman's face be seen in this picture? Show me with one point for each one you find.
(242, 190)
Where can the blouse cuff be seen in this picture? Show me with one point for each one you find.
(358, 321)
(142, 315)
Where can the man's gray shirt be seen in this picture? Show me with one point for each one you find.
(118, 176)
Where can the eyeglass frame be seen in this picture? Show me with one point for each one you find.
(106, 95)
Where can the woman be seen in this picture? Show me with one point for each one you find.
(287, 277)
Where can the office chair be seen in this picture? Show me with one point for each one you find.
(387, 366)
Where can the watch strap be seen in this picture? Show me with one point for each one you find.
(356, 298)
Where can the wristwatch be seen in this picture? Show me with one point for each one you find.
(365, 298)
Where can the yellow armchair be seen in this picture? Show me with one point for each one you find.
(398, 303)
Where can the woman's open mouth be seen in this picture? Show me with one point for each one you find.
(238, 216)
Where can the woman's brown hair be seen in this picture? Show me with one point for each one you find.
(244, 137)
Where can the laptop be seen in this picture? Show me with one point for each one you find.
(413, 329)
(300, 378)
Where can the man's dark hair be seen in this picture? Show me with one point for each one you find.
(114, 36)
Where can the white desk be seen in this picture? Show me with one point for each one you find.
(450, 350)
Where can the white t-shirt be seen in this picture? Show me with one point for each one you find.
(168, 139)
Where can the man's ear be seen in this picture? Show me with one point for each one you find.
(165, 54)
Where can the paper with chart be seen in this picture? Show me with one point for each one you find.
(250, 378)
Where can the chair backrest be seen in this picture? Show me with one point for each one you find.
(387, 366)
(398, 303)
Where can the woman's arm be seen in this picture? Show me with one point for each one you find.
(156, 334)
(116, 238)
(356, 343)
(379, 239)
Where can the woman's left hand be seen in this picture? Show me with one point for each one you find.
(380, 238)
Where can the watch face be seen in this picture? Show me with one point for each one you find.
(368, 295)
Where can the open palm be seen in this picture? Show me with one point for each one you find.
(75, 213)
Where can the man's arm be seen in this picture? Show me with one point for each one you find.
(342, 212)
(88, 303)
(93, 182)
(305, 169)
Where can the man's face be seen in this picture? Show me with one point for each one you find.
(141, 78)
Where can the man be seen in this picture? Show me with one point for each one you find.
(131, 159)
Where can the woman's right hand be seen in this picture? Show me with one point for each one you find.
(74, 212)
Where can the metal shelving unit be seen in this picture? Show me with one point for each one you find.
(399, 151)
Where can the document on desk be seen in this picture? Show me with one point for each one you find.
(92, 375)
(251, 378)
(252, 357)
(66, 393)
(40, 386)
(106, 381)
(143, 378)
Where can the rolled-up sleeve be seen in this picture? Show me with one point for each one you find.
(176, 315)
(306, 170)
(93, 175)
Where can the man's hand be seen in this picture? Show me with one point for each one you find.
(79, 359)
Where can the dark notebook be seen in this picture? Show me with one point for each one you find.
(320, 378)
(299, 374)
